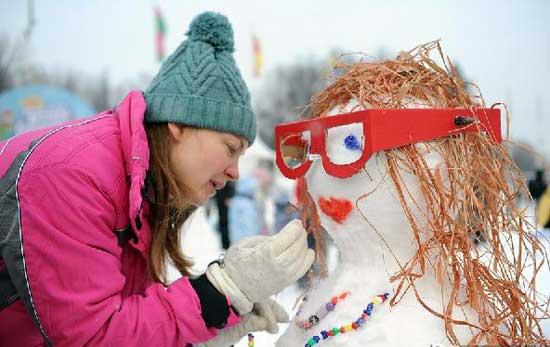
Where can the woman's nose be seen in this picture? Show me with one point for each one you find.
(233, 171)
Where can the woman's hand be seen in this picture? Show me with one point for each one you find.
(257, 267)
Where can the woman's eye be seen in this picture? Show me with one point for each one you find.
(231, 149)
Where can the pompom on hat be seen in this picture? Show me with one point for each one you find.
(200, 85)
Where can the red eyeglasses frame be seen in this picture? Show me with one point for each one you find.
(385, 129)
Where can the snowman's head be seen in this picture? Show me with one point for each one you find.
(380, 164)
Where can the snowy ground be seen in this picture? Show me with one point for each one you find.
(202, 243)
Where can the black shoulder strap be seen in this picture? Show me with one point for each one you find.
(8, 293)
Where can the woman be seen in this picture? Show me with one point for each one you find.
(91, 210)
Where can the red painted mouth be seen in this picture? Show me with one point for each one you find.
(337, 209)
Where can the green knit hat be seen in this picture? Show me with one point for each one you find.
(200, 85)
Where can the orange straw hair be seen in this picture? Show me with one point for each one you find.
(477, 197)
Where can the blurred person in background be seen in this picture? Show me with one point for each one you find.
(90, 213)
(537, 185)
(543, 210)
(263, 192)
(284, 211)
(223, 200)
(245, 213)
(538, 188)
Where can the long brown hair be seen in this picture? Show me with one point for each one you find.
(169, 206)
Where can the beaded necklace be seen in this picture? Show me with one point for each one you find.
(326, 334)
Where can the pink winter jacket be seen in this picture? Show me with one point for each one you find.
(77, 187)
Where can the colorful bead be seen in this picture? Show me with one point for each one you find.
(368, 310)
(324, 334)
(313, 320)
(329, 306)
(336, 331)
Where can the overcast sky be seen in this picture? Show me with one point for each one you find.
(503, 46)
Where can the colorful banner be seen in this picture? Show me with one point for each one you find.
(161, 32)
(258, 59)
(36, 106)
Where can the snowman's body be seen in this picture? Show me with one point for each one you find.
(366, 262)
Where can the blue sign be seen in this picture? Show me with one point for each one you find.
(37, 106)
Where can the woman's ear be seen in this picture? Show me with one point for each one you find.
(176, 131)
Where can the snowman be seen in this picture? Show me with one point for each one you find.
(404, 169)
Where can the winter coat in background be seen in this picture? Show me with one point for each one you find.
(284, 212)
(245, 217)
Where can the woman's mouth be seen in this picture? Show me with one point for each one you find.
(217, 185)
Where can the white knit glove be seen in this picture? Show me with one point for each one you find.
(265, 316)
(260, 266)
(272, 313)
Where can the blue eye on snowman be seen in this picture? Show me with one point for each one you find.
(345, 143)
(352, 143)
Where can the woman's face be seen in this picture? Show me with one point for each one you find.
(204, 160)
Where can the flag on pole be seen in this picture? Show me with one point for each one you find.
(161, 31)
(258, 59)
